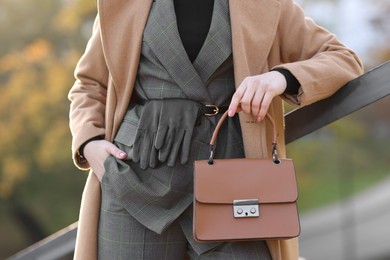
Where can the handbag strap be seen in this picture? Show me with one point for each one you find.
(216, 130)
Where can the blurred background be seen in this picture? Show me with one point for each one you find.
(339, 167)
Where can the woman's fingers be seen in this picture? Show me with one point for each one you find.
(96, 152)
(250, 91)
(255, 94)
(236, 100)
(115, 151)
(265, 103)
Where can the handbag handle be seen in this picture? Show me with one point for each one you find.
(218, 126)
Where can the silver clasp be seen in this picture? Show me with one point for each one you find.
(246, 208)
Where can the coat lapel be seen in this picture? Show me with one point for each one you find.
(218, 44)
(254, 26)
(116, 38)
(162, 36)
(121, 25)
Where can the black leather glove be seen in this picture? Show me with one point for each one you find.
(177, 121)
(165, 131)
(144, 150)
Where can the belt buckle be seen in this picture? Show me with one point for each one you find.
(215, 110)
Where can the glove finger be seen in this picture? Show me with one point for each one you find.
(153, 154)
(166, 149)
(186, 147)
(137, 145)
(175, 148)
(161, 135)
(145, 151)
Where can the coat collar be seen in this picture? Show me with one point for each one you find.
(122, 23)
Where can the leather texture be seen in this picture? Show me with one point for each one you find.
(217, 185)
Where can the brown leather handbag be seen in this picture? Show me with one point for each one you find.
(244, 199)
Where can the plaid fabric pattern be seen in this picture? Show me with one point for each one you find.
(142, 210)
(218, 44)
(165, 70)
(156, 197)
(123, 237)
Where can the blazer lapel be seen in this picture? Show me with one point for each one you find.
(162, 36)
(218, 44)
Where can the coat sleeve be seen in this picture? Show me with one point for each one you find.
(320, 62)
(88, 96)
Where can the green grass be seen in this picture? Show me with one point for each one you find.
(337, 162)
(320, 191)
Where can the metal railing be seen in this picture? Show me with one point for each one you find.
(57, 246)
(360, 92)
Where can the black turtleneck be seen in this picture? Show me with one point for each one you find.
(193, 21)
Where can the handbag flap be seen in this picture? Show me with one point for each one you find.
(235, 179)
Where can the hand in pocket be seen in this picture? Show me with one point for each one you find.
(97, 151)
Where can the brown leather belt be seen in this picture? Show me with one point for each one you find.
(205, 110)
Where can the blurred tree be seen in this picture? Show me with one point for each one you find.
(40, 189)
(22, 21)
(382, 23)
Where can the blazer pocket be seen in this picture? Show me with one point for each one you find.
(128, 128)
(126, 134)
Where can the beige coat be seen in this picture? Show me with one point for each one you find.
(266, 34)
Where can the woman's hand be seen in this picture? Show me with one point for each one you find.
(97, 151)
(255, 94)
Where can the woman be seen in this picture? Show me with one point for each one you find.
(157, 65)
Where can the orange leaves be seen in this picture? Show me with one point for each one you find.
(13, 170)
(34, 83)
(37, 51)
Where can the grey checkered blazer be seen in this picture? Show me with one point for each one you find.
(157, 197)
